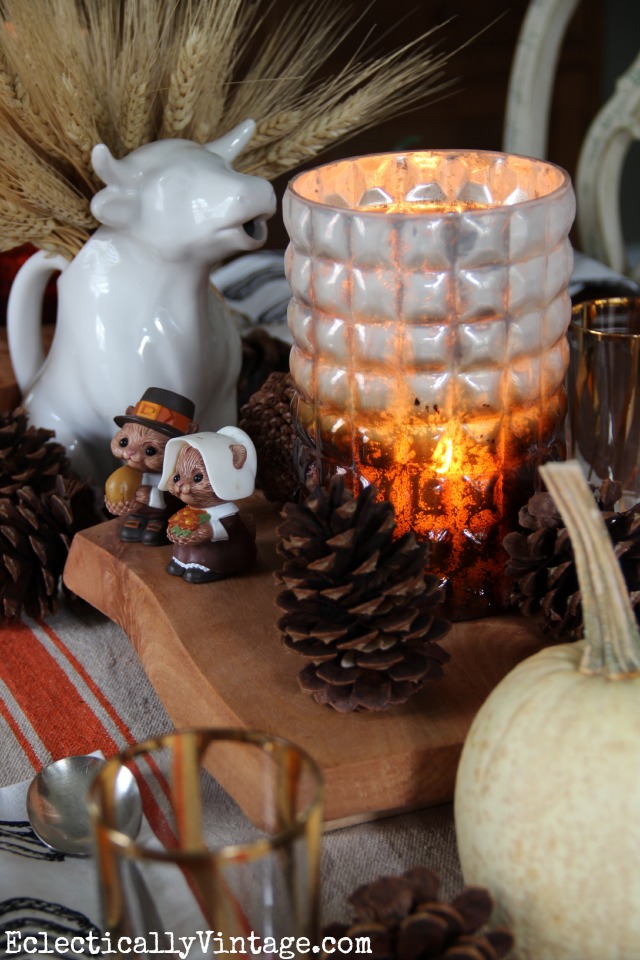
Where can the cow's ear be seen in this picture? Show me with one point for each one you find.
(115, 207)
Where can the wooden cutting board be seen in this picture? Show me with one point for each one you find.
(213, 654)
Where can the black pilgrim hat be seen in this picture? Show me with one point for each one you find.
(162, 410)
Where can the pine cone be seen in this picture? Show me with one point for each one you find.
(28, 455)
(41, 507)
(404, 919)
(357, 602)
(541, 560)
(267, 420)
(262, 354)
(35, 535)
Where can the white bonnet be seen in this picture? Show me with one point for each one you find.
(228, 482)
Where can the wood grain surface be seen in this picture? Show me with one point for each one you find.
(213, 654)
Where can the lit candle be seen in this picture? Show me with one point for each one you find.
(429, 313)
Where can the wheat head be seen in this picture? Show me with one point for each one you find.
(123, 72)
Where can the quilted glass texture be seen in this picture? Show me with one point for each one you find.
(430, 305)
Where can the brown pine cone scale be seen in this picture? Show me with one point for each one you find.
(542, 567)
(266, 417)
(404, 920)
(357, 602)
(41, 507)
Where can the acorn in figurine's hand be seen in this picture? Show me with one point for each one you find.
(207, 471)
(132, 490)
(120, 489)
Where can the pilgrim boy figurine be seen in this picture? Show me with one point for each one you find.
(133, 489)
(208, 471)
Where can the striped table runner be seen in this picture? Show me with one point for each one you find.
(70, 684)
(74, 684)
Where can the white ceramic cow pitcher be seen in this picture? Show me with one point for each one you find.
(135, 306)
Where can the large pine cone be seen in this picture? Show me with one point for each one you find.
(357, 602)
(404, 919)
(28, 455)
(41, 507)
(542, 565)
(35, 536)
(267, 419)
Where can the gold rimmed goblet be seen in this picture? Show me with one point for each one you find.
(230, 846)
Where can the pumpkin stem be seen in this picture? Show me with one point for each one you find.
(610, 629)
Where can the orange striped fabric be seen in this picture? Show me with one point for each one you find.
(70, 686)
(74, 685)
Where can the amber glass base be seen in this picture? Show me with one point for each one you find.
(464, 516)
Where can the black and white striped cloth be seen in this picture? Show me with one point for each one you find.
(256, 288)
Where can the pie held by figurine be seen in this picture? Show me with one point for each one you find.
(132, 490)
(208, 472)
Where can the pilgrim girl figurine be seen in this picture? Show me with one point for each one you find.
(140, 442)
(208, 471)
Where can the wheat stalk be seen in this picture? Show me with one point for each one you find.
(18, 112)
(275, 127)
(13, 96)
(185, 84)
(135, 120)
(228, 22)
(124, 72)
(379, 90)
(293, 150)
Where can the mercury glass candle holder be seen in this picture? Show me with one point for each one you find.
(429, 311)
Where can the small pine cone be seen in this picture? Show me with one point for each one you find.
(358, 604)
(262, 355)
(35, 534)
(404, 919)
(267, 419)
(28, 455)
(541, 561)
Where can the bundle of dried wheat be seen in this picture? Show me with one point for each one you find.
(123, 72)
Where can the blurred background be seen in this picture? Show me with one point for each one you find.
(600, 43)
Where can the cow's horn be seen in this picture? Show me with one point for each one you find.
(233, 142)
(111, 171)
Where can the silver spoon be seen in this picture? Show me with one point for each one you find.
(57, 804)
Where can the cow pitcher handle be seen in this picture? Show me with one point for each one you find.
(24, 313)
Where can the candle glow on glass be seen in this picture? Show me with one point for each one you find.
(428, 316)
(415, 207)
(448, 492)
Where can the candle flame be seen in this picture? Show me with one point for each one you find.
(443, 455)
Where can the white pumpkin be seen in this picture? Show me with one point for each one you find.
(547, 800)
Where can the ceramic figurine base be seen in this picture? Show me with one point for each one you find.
(214, 657)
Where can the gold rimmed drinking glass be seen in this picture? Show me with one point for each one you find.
(230, 844)
(603, 423)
